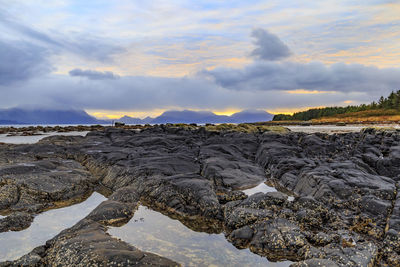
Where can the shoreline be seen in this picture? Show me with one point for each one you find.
(36, 129)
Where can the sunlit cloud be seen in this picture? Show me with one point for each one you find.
(160, 51)
(307, 92)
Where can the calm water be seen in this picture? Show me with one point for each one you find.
(263, 188)
(48, 125)
(44, 227)
(154, 232)
(35, 138)
(330, 129)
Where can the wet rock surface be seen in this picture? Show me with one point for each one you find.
(34, 186)
(346, 210)
(16, 222)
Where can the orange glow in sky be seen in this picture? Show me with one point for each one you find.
(302, 92)
(227, 112)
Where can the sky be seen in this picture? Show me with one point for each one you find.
(141, 58)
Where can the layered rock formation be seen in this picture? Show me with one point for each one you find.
(346, 210)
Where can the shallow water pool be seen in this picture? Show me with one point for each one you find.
(154, 232)
(263, 188)
(44, 227)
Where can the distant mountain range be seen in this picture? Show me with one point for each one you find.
(130, 120)
(46, 116)
(189, 116)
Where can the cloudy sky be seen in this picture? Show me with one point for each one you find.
(143, 57)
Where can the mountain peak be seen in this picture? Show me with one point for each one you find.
(73, 116)
(47, 116)
(190, 116)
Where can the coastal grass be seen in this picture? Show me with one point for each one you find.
(367, 116)
(374, 116)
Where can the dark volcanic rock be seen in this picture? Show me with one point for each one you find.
(277, 239)
(112, 213)
(88, 245)
(16, 222)
(34, 186)
(346, 210)
(228, 160)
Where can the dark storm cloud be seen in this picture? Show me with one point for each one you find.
(268, 46)
(264, 76)
(84, 45)
(20, 61)
(93, 75)
(149, 93)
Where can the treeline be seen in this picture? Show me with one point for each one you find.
(390, 102)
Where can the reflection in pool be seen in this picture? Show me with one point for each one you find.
(44, 227)
(154, 232)
(263, 188)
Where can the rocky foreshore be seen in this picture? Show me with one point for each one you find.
(37, 130)
(345, 212)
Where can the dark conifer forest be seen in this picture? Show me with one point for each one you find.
(392, 102)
